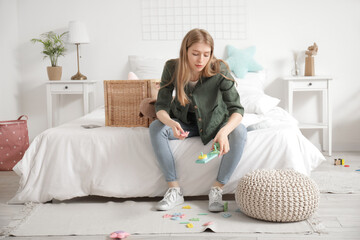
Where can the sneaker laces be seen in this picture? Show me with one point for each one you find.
(170, 195)
(216, 194)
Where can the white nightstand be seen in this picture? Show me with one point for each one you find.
(314, 83)
(83, 87)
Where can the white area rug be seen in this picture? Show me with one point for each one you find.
(337, 179)
(141, 218)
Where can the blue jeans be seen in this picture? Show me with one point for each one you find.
(160, 135)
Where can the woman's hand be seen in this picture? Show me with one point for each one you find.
(222, 138)
(164, 117)
(177, 130)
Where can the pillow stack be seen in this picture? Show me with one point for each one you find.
(252, 95)
(250, 78)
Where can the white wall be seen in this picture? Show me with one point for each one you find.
(276, 27)
(10, 96)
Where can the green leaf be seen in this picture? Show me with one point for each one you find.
(53, 45)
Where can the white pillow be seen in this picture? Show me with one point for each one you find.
(146, 67)
(252, 80)
(257, 102)
(252, 96)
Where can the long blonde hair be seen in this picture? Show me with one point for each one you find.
(183, 71)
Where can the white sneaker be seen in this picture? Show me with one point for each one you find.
(172, 198)
(215, 200)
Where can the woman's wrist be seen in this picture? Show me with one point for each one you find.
(225, 130)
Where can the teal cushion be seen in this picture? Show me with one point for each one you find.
(242, 61)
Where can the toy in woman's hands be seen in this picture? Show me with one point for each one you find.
(184, 134)
(204, 158)
(119, 235)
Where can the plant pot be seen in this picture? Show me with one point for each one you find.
(54, 73)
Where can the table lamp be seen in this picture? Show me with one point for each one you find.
(78, 35)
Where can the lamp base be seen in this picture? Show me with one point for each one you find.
(78, 76)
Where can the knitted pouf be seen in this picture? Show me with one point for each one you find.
(281, 195)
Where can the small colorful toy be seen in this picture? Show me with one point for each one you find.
(226, 215)
(194, 219)
(339, 161)
(346, 165)
(189, 225)
(184, 134)
(119, 235)
(226, 206)
(186, 207)
(205, 158)
(175, 216)
(208, 224)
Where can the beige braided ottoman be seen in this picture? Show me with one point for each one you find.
(277, 195)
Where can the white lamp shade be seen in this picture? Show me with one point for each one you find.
(78, 32)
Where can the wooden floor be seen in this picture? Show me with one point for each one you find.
(339, 213)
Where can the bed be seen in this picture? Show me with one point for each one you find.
(71, 161)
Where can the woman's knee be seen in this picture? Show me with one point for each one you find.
(240, 132)
(156, 126)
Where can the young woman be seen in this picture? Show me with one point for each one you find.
(206, 104)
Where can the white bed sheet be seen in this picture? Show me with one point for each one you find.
(70, 161)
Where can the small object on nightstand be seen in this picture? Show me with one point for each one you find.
(309, 60)
(295, 71)
(78, 35)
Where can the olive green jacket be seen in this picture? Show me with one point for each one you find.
(215, 99)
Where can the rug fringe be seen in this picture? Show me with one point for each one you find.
(19, 219)
(315, 223)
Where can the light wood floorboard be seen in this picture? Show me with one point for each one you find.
(339, 213)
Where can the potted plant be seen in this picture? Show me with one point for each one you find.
(54, 47)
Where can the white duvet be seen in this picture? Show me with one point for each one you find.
(70, 161)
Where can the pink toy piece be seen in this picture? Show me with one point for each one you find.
(119, 234)
(167, 216)
(184, 134)
(208, 224)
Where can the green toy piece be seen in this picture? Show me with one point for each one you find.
(226, 206)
